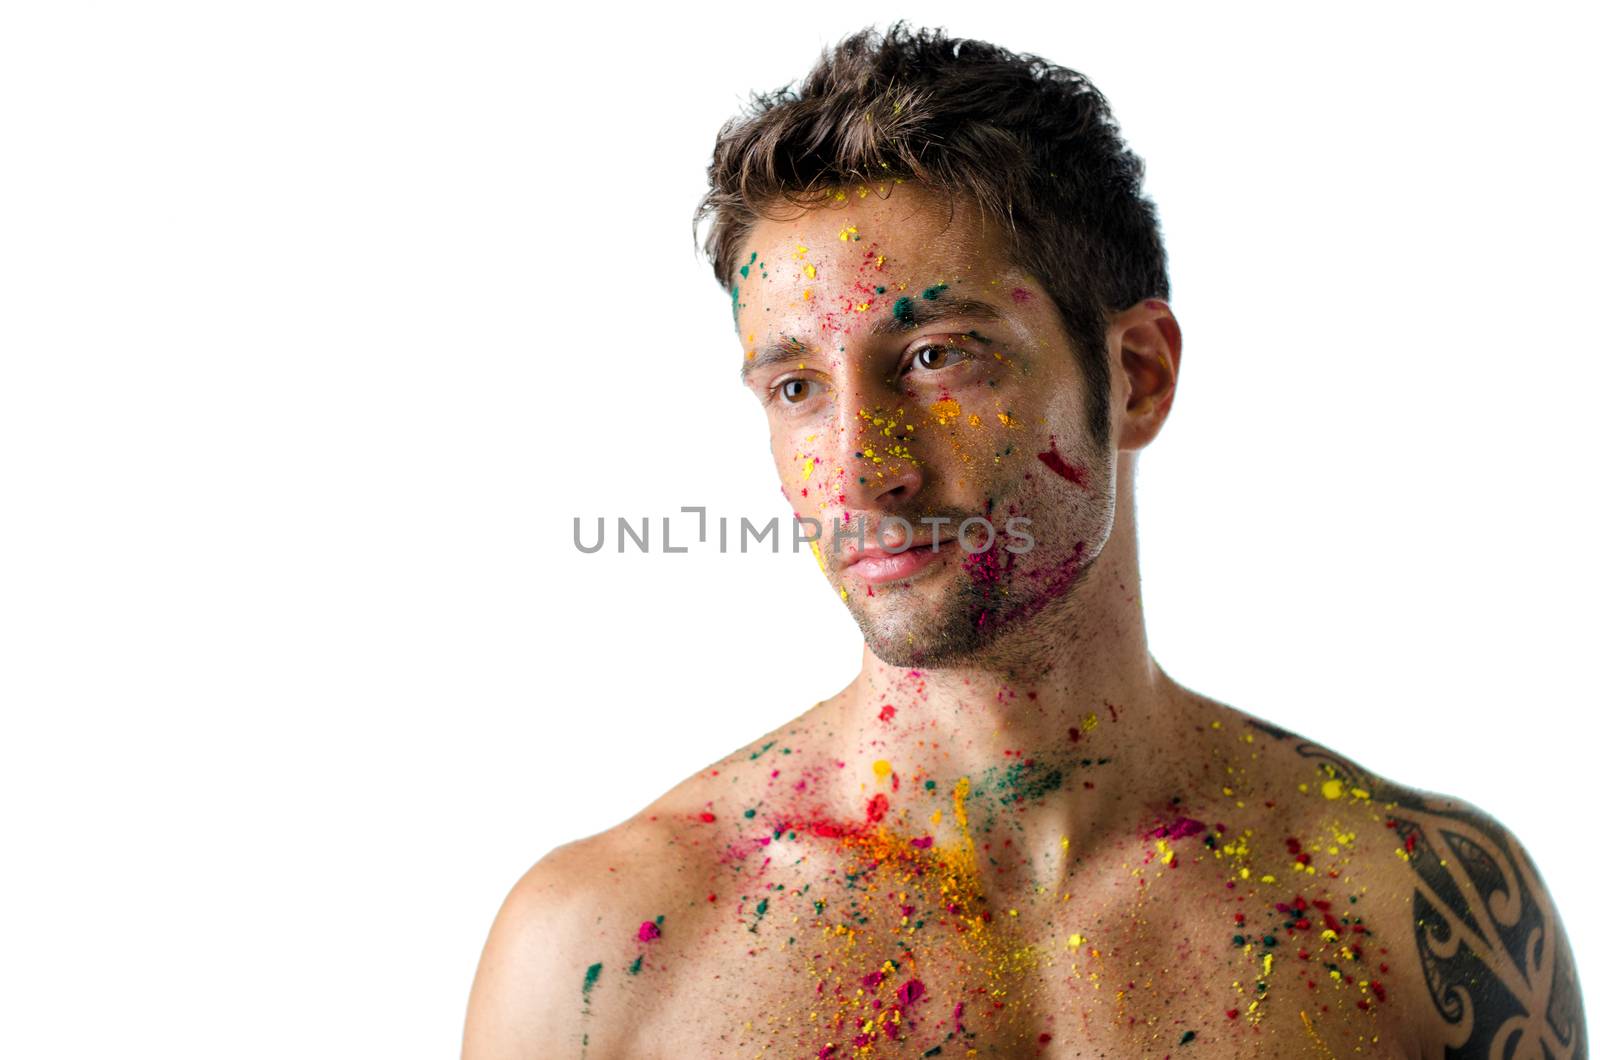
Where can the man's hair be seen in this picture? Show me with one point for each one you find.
(1031, 144)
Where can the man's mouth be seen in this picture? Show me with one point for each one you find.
(876, 566)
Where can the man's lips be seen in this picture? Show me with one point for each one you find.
(876, 566)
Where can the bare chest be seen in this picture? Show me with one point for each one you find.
(1130, 962)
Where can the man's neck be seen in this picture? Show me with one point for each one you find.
(1067, 746)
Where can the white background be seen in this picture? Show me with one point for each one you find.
(321, 321)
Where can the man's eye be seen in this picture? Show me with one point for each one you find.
(794, 391)
(932, 358)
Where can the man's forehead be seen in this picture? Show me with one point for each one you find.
(906, 230)
(848, 265)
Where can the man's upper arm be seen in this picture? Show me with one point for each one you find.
(523, 1003)
(1495, 957)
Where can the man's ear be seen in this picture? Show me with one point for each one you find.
(1147, 343)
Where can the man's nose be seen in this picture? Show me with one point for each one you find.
(880, 470)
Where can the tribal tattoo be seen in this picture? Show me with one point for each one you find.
(1496, 958)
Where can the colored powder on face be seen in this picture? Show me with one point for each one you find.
(638, 962)
(877, 806)
(922, 842)
(987, 569)
(708, 817)
(933, 292)
(649, 931)
(1187, 1037)
(881, 768)
(1075, 475)
(911, 992)
(901, 309)
(1020, 295)
(887, 713)
(591, 977)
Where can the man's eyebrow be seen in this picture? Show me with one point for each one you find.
(909, 314)
(785, 349)
(905, 314)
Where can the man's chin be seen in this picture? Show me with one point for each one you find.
(911, 630)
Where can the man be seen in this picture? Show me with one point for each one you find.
(1012, 834)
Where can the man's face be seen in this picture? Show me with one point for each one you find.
(908, 369)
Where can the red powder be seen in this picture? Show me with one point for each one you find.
(1075, 475)
(1183, 826)
(877, 807)
(648, 931)
(887, 713)
(708, 817)
(1020, 295)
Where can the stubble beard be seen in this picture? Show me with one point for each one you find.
(991, 610)
(997, 610)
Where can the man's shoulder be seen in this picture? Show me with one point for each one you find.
(1414, 825)
(1475, 942)
(552, 951)
(599, 922)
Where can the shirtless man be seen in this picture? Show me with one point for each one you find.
(1013, 834)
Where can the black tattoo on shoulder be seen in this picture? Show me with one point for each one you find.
(1495, 955)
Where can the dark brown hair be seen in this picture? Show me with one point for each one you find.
(1032, 144)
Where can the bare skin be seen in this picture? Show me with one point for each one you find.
(1013, 834)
